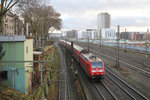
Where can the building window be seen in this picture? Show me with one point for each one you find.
(26, 49)
(3, 75)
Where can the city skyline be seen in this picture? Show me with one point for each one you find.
(82, 14)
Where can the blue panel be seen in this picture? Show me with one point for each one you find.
(16, 78)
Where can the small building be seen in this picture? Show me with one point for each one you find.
(13, 70)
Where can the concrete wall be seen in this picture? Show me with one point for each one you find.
(108, 34)
(28, 56)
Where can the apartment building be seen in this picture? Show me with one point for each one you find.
(8, 26)
(12, 24)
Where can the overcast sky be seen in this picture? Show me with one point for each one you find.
(82, 14)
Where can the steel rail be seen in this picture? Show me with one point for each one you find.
(102, 96)
(63, 84)
(128, 50)
(114, 97)
(127, 88)
(122, 62)
(139, 95)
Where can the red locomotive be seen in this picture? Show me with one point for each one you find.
(92, 65)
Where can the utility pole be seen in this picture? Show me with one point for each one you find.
(88, 44)
(118, 48)
(41, 35)
(100, 38)
(146, 44)
(41, 72)
(125, 40)
(27, 29)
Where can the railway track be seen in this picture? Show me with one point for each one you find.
(123, 63)
(134, 94)
(91, 91)
(104, 91)
(125, 49)
(138, 67)
(139, 70)
(94, 91)
(99, 91)
(123, 55)
(64, 90)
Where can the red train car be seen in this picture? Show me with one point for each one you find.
(77, 51)
(92, 65)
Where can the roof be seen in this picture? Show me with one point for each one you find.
(9, 13)
(11, 38)
(91, 57)
(77, 47)
(37, 53)
(69, 43)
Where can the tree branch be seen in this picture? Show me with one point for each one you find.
(2, 5)
(9, 4)
(5, 3)
(8, 8)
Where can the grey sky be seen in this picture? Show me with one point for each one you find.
(82, 14)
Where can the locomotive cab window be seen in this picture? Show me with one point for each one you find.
(99, 64)
(96, 64)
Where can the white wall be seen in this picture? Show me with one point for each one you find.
(93, 34)
(28, 51)
(108, 34)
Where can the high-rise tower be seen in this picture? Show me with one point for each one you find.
(103, 22)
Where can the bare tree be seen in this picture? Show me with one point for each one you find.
(51, 21)
(40, 18)
(4, 7)
(29, 10)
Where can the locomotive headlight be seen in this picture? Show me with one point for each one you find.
(93, 70)
(100, 70)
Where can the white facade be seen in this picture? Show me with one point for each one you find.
(69, 34)
(84, 35)
(91, 33)
(79, 34)
(108, 34)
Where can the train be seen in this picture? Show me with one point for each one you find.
(91, 64)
